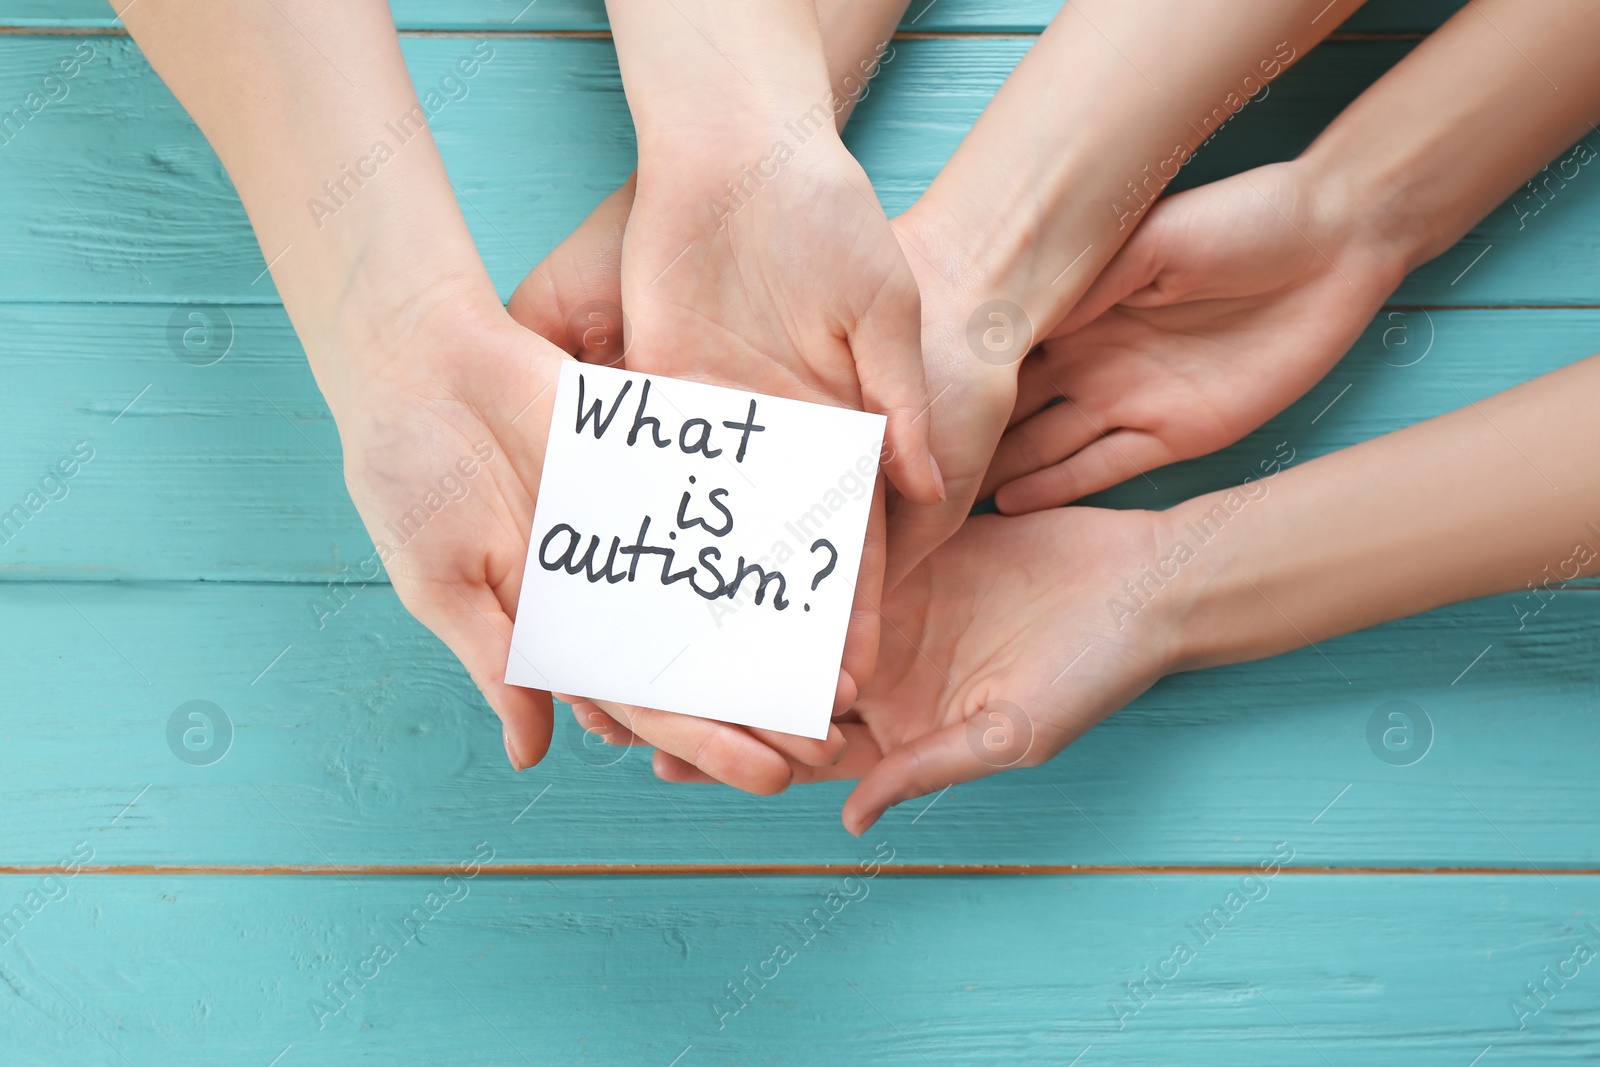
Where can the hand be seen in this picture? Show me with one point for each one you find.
(799, 288)
(573, 298)
(1225, 307)
(1000, 650)
(443, 444)
(444, 439)
(969, 397)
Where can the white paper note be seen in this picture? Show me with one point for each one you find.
(695, 549)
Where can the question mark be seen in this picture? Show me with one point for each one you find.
(833, 559)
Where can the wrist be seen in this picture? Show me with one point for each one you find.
(1002, 246)
(698, 185)
(966, 336)
(1380, 201)
(1216, 607)
(706, 148)
(697, 73)
(1036, 237)
(391, 318)
(1218, 612)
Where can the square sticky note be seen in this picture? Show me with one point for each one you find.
(695, 549)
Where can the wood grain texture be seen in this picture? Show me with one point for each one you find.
(959, 16)
(973, 971)
(181, 561)
(364, 743)
(543, 134)
(231, 471)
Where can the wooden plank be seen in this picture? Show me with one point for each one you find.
(231, 471)
(1291, 970)
(967, 16)
(543, 133)
(364, 743)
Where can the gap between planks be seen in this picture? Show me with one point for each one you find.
(546, 870)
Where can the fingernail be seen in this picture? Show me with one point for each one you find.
(866, 824)
(938, 478)
(511, 751)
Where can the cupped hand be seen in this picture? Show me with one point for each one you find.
(1227, 305)
(573, 298)
(771, 267)
(791, 283)
(443, 442)
(999, 650)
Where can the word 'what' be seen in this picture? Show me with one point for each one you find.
(711, 575)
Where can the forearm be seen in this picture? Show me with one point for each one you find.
(1489, 498)
(1460, 123)
(857, 38)
(702, 76)
(312, 112)
(1089, 129)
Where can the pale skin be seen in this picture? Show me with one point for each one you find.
(1052, 180)
(426, 374)
(584, 272)
(1235, 298)
(418, 361)
(393, 274)
(1495, 495)
(1020, 202)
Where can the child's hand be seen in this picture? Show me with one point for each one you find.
(795, 287)
(1229, 303)
(787, 299)
(572, 299)
(800, 289)
(999, 651)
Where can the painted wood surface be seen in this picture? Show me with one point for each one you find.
(542, 134)
(232, 471)
(366, 744)
(1290, 970)
(179, 564)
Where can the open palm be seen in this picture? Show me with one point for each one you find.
(573, 298)
(1226, 306)
(998, 651)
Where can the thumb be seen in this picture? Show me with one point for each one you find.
(926, 765)
(1135, 267)
(471, 622)
(915, 531)
(573, 298)
(887, 346)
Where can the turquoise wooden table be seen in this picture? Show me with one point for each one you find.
(340, 868)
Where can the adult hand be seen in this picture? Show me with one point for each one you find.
(971, 388)
(1226, 306)
(444, 435)
(999, 650)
